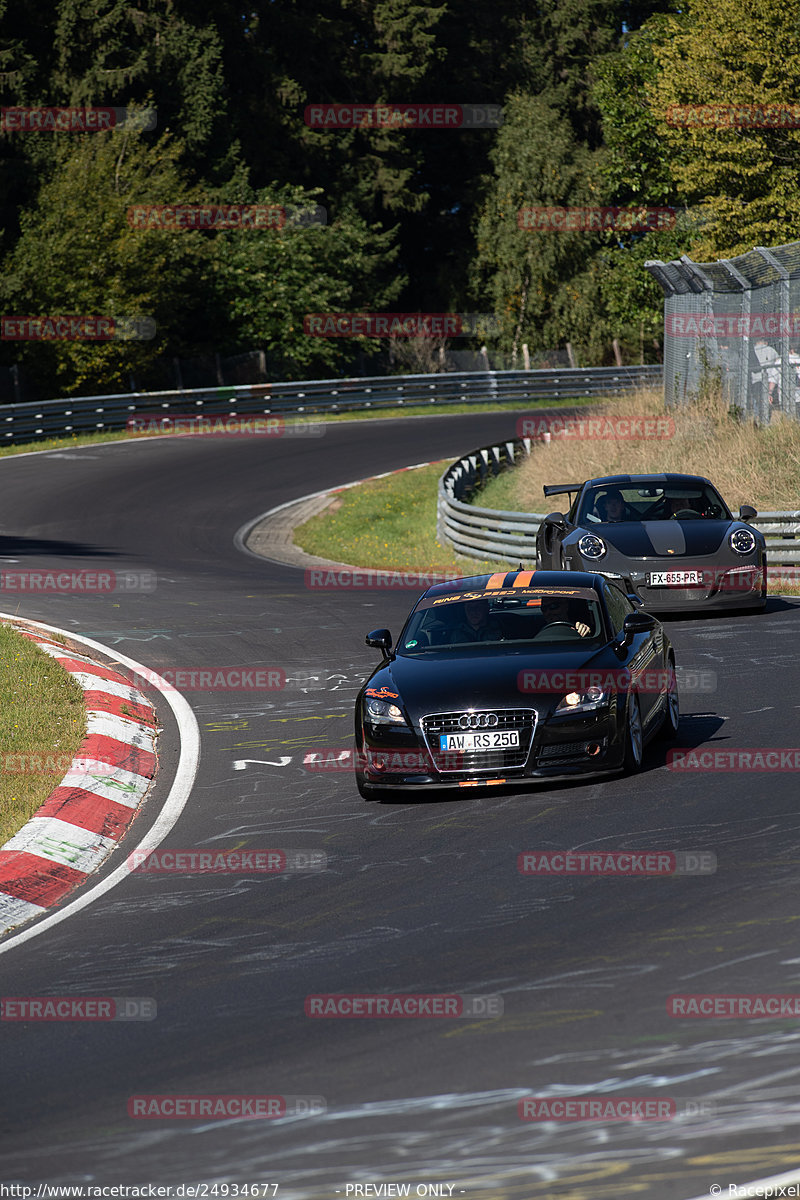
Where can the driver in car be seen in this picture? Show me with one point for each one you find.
(557, 609)
(676, 504)
(611, 507)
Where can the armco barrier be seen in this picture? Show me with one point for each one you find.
(511, 536)
(94, 414)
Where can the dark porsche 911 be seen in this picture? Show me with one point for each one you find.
(669, 538)
(513, 677)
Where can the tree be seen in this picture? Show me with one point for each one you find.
(732, 53)
(265, 284)
(78, 255)
(539, 283)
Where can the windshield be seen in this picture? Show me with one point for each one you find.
(680, 501)
(509, 619)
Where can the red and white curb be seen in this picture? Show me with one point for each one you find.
(82, 821)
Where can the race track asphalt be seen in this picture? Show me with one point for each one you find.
(418, 897)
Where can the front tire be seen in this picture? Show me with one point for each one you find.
(634, 737)
(364, 790)
(672, 716)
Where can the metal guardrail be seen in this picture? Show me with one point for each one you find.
(30, 422)
(489, 533)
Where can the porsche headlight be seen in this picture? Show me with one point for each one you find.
(591, 546)
(381, 712)
(742, 541)
(588, 700)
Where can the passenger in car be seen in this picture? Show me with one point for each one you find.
(476, 623)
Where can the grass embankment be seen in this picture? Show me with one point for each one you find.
(42, 722)
(390, 523)
(749, 465)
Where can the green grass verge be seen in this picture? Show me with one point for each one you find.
(389, 524)
(42, 722)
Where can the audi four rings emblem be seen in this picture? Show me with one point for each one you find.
(478, 721)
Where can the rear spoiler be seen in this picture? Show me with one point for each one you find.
(558, 489)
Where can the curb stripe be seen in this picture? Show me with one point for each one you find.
(30, 877)
(103, 702)
(107, 687)
(14, 911)
(124, 787)
(100, 814)
(61, 842)
(83, 819)
(108, 750)
(132, 733)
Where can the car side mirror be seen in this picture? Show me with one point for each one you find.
(380, 639)
(747, 512)
(555, 518)
(637, 622)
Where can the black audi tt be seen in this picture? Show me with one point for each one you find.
(513, 677)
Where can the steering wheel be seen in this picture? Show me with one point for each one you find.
(685, 514)
(544, 634)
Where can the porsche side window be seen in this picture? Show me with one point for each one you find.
(618, 605)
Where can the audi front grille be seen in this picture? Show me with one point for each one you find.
(484, 762)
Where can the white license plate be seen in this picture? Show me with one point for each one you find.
(494, 739)
(671, 578)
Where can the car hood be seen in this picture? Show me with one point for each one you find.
(649, 539)
(439, 682)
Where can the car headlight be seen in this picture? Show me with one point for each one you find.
(592, 546)
(588, 700)
(742, 541)
(381, 712)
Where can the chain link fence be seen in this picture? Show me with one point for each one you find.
(738, 318)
